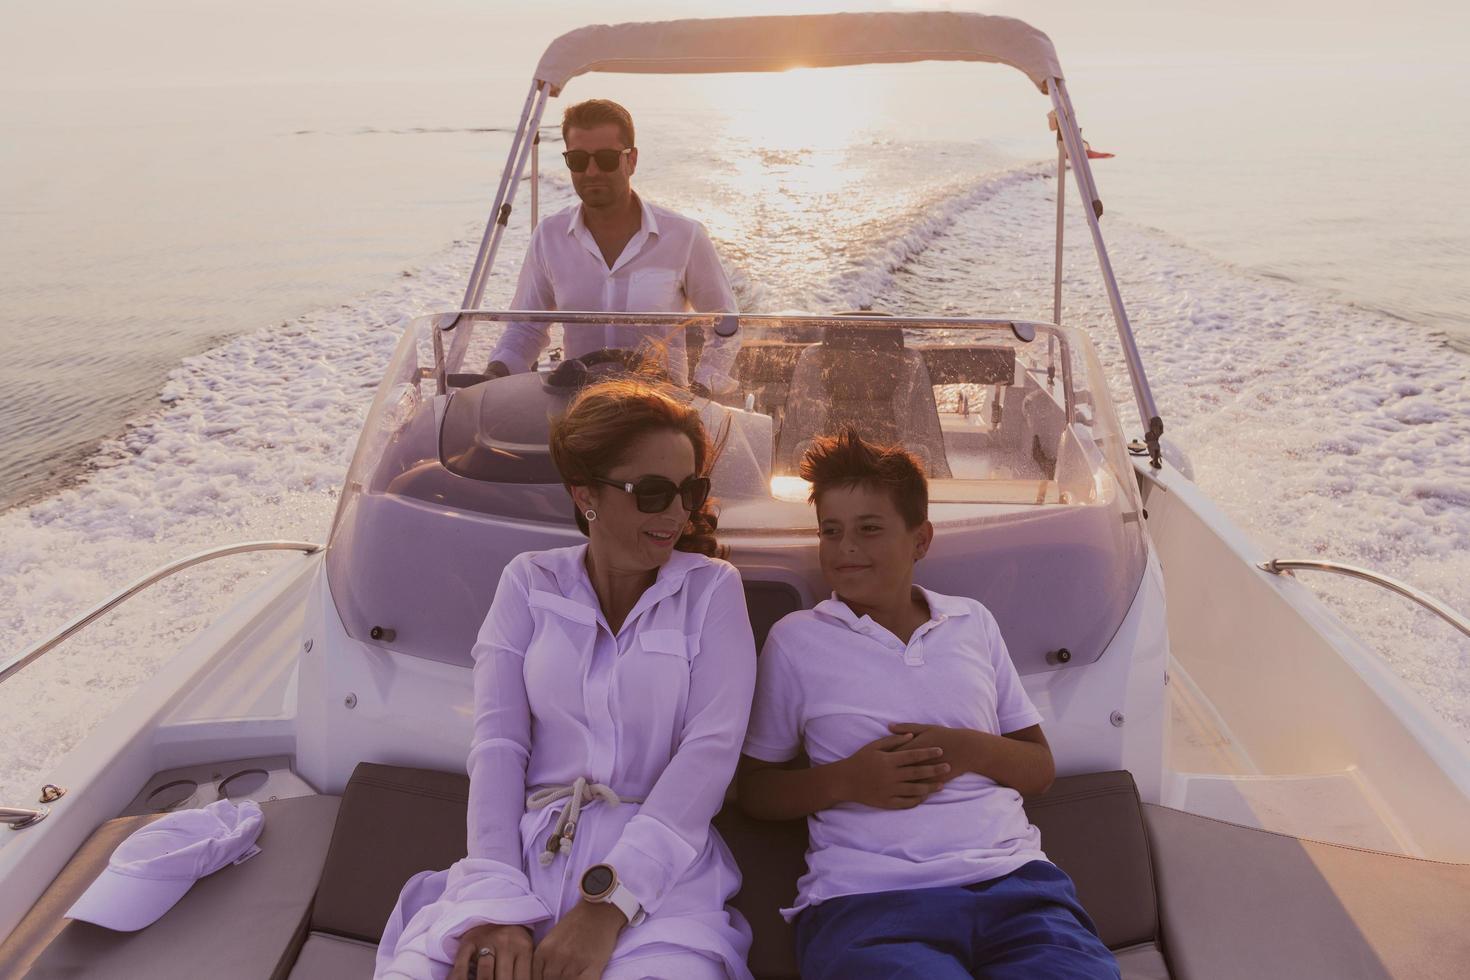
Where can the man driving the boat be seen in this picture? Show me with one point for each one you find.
(616, 252)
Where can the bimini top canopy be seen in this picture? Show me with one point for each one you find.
(731, 44)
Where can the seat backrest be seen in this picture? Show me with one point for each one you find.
(969, 364)
(1092, 828)
(394, 822)
(866, 380)
(771, 856)
(766, 603)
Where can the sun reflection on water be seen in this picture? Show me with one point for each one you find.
(792, 173)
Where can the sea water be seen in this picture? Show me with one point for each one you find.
(203, 286)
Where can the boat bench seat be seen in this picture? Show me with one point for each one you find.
(1174, 895)
(396, 821)
(1091, 827)
(1242, 902)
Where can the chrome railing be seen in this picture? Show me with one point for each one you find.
(1276, 566)
(19, 818)
(20, 662)
(724, 324)
(1024, 330)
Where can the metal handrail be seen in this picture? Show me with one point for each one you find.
(724, 324)
(1023, 330)
(19, 818)
(1278, 565)
(18, 663)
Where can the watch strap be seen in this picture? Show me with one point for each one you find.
(626, 903)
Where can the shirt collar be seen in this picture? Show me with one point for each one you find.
(650, 221)
(568, 566)
(648, 226)
(941, 607)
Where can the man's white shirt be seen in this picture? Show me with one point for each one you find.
(668, 266)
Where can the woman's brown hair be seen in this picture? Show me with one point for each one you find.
(600, 427)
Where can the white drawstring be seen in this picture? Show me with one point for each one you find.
(579, 792)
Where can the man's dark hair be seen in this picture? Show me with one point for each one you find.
(845, 460)
(598, 112)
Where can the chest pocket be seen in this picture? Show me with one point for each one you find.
(655, 291)
(671, 643)
(653, 684)
(562, 607)
(559, 653)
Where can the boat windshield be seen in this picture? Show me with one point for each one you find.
(1006, 415)
(452, 477)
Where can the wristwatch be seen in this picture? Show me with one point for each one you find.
(600, 884)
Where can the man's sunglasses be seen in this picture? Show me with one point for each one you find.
(607, 160)
(653, 494)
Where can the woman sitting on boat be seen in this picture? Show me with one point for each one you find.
(613, 683)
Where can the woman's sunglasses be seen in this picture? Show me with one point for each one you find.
(607, 160)
(653, 494)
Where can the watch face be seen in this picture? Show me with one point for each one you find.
(598, 880)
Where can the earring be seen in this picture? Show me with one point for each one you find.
(590, 514)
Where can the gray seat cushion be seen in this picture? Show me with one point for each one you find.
(328, 957)
(771, 855)
(246, 920)
(1092, 828)
(1142, 962)
(1240, 902)
(395, 822)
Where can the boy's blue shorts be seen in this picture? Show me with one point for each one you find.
(1025, 924)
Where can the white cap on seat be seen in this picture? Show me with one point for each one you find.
(151, 870)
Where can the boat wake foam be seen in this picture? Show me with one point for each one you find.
(1322, 428)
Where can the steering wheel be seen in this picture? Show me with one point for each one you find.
(575, 372)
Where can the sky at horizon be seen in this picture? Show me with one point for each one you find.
(145, 43)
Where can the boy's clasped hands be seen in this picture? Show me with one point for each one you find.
(903, 769)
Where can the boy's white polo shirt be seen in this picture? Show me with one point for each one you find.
(832, 682)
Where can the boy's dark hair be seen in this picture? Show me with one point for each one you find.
(597, 112)
(845, 460)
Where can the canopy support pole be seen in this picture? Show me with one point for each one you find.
(510, 179)
(1056, 301)
(1072, 139)
(535, 178)
(476, 286)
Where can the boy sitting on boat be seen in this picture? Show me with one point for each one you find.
(921, 742)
